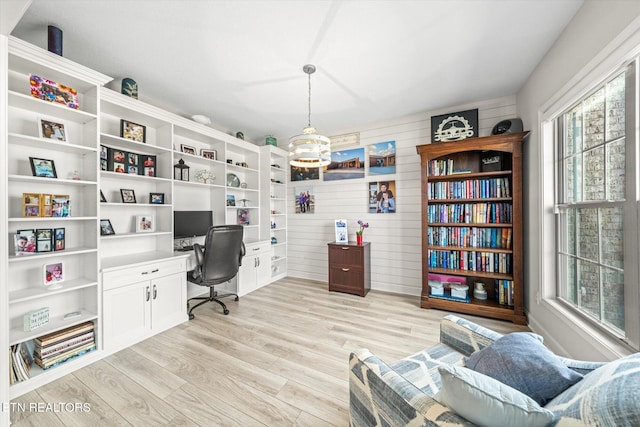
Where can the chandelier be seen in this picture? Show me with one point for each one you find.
(309, 150)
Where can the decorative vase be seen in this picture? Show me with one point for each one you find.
(270, 140)
(359, 239)
(129, 87)
(54, 40)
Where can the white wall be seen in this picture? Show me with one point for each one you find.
(395, 238)
(582, 49)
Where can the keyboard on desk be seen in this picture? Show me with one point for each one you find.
(186, 248)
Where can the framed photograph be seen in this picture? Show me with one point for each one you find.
(44, 240)
(147, 166)
(25, 242)
(145, 224)
(106, 229)
(43, 167)
(454, 126)
(209, 154)
(187, 149)
(52, 130)
(243, 217)
(31, 204)
(48, 90)
(156, 198)
(382, 196)
(231, 200)
(53, 275)
(133, 131)
(341, 231)
(46, 205)
(104, 152)
(128, 196)
(58, 239)
(61, 205)
(102, 198)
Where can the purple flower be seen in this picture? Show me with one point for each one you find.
(362, 225)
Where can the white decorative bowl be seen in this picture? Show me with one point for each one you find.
(199, 118)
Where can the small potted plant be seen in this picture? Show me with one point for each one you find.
(362, 225)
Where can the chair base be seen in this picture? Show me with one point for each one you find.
(212, 297)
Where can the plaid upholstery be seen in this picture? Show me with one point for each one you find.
(401, 393)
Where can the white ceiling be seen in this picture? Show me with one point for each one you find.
(240, 62)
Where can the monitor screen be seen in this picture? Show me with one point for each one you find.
(191, 223)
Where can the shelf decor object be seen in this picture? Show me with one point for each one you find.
(54, 39)
(309, 149)
(472, 236)
(181, 171)
(129, 87)
(51, 91)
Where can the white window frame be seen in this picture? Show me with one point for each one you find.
(605, 65)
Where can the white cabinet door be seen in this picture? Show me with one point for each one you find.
(127, 315)
(263, 269)
(255, 271)
(168, 301)
(247, 281)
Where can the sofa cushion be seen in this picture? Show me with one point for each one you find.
(608, 396)
(521, 361)
(487, 402)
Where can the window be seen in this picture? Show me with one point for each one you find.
(597, 206)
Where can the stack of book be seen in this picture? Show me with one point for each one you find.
(60, 346)
(20, 363)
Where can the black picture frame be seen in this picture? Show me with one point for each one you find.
(133, 131)
(44, 240)
(454, 126)
(59, 239)
(156, 198)
(128, 195)
(102, 198)
(44, 168)
(106, 229)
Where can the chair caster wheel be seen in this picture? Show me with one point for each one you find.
(226, 311)
(192, 316)
(237, 298)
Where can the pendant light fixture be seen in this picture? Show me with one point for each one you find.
(309, 150)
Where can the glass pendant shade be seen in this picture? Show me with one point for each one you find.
(309, 150)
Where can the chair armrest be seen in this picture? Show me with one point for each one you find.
(581, 366)
(198, 250)
(465, 336)
(378, 395)
(243, 251)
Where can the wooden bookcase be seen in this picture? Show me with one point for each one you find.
(472, 224)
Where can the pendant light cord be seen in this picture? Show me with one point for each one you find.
(309, 117)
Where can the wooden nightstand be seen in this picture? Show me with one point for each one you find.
(349, 268)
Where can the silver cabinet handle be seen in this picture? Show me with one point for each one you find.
(148, 294)
(345, 269)
(155, 291)
(345, 248)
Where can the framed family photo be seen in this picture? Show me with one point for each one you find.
(145, 224)
(53, 275)
(52, 130)
(156, 198)
(44, 168)
(132, 131)
(128, 196)
(209, 154)
(106, 229)
(187, 149)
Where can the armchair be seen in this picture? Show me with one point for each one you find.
(218, 262)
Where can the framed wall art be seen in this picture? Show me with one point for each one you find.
(51, 91)
(454, 126)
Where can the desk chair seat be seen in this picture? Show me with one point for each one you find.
(218, 262)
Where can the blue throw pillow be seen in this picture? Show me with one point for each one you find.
(521, 361)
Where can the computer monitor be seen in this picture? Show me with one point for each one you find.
(187, 224)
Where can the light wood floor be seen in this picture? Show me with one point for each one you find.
(280, 358)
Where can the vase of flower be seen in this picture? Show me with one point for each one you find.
(362, 225)
(359, 238)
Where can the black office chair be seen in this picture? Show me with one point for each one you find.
(217, 263)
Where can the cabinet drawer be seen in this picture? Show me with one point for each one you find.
(345, 279)
(257, 248)
(346, 255)
(127, 275)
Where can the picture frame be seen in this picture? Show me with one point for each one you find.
(156, 198)
(106, 229)
(209, 154)
(147, 166)
(187, 149)
(102, 198)
(128, 196)
(53, 275)
(44, 240)
(454, 126)
(145, 224)
(60, 205)
(341, 231)
(43, 168)
(25, 242)
(48, 90)
(133, 131)
(48, 129)
(59, 235)
(31, 204)
(243, 217)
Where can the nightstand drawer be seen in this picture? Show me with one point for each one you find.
(345, 279)
(346, 255)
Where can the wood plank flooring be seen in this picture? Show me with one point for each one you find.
(280, 358)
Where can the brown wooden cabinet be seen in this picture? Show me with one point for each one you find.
(472, 225)
(349, 268)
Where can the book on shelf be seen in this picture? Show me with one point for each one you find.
(64, 334)
(52, 349)
(20, 363)
(50, 362)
